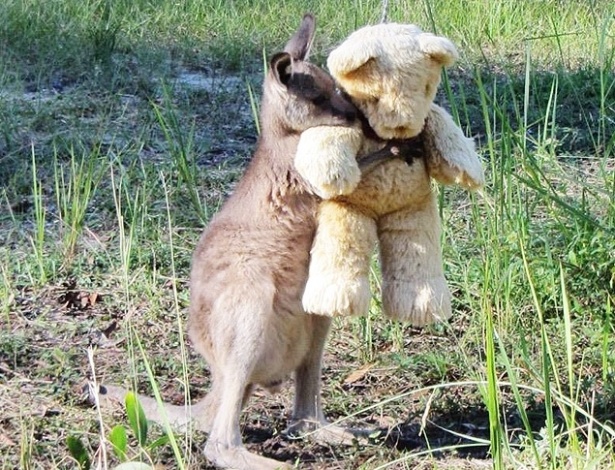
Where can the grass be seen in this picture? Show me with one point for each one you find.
(112, 160)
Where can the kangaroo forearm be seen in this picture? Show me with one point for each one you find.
(404, 149)
(372, 160)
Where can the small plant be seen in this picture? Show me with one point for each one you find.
(118, 438)
(77, 450)
(182, 152)
(104, 34)
(75, 185)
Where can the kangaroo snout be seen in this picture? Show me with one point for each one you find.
(341, 106)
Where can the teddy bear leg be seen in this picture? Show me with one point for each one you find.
(413, 285)
(338, 281)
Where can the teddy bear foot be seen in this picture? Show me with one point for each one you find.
(419, 304)
(335, 296)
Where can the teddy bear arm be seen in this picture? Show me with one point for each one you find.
(451, 156)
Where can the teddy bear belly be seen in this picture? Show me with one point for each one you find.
(390, 187)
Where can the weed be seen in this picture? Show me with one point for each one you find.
(104, 33)
(181, 153)
(74, 189)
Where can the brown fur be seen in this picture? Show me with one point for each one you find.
(250, 267)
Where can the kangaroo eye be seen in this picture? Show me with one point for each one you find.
(319, 100)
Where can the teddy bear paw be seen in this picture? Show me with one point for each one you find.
(335, 296)
(333, 182)
(326, 158)
(419, 304)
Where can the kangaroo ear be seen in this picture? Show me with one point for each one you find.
(281, 65)
(300, 44)
(450, 156)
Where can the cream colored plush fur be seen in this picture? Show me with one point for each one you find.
(391, 72)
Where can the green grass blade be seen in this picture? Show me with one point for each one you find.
(136, 418)
(119, 441)
(169, 432)
(78, 452)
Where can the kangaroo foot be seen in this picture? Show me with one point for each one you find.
(238, 458)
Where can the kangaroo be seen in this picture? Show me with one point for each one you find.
(250, 267)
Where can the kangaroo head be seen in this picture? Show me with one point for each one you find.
(298, 94)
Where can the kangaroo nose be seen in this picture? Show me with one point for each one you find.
(348, 110)
(350, 115)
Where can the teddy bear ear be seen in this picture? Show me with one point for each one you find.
(438, 48)
(352, 58)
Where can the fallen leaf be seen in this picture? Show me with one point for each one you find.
(6, 441)
(358, 374)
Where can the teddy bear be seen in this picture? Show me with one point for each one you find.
(391, 72)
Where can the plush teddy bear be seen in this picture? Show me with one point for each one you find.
(391, 72)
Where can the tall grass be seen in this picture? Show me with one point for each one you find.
(66, 37)
(38, 240)
(107, 177)
(74, 189)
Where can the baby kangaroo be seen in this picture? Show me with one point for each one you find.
(251, 264)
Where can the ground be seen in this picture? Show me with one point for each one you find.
(43, 399)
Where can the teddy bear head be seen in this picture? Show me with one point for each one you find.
(392, 72)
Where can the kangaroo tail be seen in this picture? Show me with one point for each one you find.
(179, 417)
